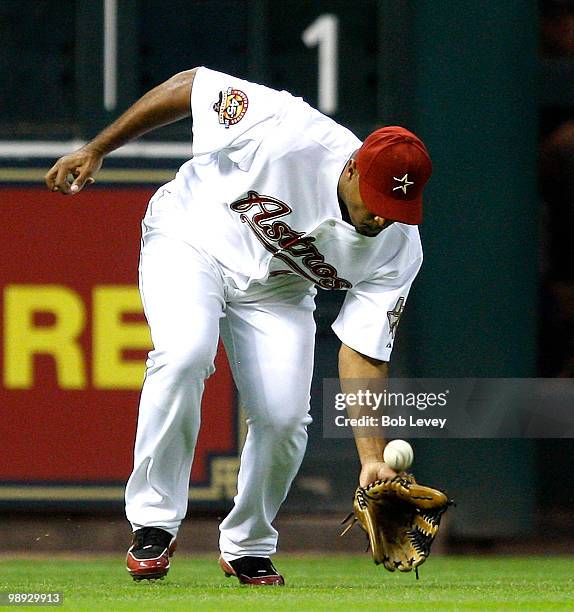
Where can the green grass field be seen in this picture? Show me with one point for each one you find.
(313, 583)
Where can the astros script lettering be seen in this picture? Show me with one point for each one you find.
(286, 243)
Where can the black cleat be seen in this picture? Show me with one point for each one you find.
(252, 570)
(148, 556)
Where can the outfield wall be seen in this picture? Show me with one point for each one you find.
(463, 75)
(74, 341)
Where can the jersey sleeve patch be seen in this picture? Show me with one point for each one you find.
(231, 106)
(231, 113)
(370, 315)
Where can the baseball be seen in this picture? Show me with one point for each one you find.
(398, 455)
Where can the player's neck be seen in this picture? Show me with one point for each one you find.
(344, 211)
(341, 197)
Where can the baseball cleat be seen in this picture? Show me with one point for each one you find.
(148, 556)
(252, 570)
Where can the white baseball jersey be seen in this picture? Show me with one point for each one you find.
(260, 197)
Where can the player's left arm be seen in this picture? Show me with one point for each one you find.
(354, 369)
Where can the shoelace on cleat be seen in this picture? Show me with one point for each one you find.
(149, 537)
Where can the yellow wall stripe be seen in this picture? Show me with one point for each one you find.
(111, 175)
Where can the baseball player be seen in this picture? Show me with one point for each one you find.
(276, 201)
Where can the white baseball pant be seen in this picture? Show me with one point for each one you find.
(268, 332)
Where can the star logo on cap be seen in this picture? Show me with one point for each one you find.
(404, 183)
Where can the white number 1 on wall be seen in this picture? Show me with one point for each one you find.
(324, 32)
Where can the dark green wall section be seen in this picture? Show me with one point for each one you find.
(475, 105)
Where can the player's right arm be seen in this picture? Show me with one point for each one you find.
(162, 105)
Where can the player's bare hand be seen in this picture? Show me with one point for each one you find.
(72, 172)
(375, 470)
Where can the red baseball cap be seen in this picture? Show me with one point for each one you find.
(394, 166)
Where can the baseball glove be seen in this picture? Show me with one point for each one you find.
(401, 519)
